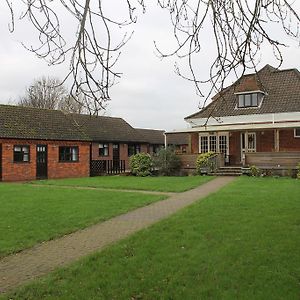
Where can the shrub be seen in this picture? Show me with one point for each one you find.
(298, 171)
(255, 171)
(141, 164)
(167, 162)
(204, 162)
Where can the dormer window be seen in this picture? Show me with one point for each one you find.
(249, 99)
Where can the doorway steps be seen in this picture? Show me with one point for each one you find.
(228, 171)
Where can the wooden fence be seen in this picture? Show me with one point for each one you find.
(101, 167)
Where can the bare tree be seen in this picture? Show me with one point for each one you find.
(45, 92)
(71, 105)
(238, 29)
(50, 93)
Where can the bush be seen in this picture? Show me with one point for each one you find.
(298, 171)
(141, 164)
(255, 171)
(204, 162)
(167, 162)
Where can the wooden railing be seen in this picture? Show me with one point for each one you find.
(100, 167)
(216, 161)
(273, 159)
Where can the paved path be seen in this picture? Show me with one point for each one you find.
(24, 266)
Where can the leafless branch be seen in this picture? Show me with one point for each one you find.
(236, 30)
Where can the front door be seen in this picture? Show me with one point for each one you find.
(224, 146)
(41, 162)
(116, 156)
(248, 143)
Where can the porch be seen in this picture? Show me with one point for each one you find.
(266, 148)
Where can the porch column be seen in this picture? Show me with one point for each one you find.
(276, 140)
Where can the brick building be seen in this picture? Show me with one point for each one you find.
(42, 143)
(255, 121)
(113, 141)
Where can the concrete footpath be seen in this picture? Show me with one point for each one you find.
(18, 269)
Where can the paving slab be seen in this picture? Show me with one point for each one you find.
(43, 258)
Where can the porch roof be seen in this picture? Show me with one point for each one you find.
(238, 127)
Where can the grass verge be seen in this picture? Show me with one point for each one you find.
(30, 214)
(240, 243)
(161, 184)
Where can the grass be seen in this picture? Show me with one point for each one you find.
(30, 214)
(162, 184)
(240, 243)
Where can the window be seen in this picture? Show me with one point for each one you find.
(103, 149)
(223, 144)
(297, 132)
(21, 153)
(156, 148)
(249, 100)
(204, 144)
(68, 154)
(213, 143)
(133, 149)
(208, 143)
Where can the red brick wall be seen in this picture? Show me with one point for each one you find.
(124, 154)
(95, 152)
(123, 148)
(265, 141)
(287, 141)
(194, 142)
(234, 148)
(12, 171)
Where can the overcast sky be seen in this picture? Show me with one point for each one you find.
(149, 94)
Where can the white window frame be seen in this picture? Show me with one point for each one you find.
(217, 134)
(246, 149)
(244, 94)
(295, 132)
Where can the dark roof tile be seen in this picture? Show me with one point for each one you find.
(109, 129)
(152, 136)
(177, 138)
(34, 123)
(282, 94)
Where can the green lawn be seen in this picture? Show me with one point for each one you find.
(29, 215)
(162, 184)
(240, 243)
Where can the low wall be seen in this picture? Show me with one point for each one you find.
(188, 161)
(273, 159)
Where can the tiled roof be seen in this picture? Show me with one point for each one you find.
(100, 128)
(34, 123)
(45, 124)
(281, 88)
(152, 136)
(177, 138)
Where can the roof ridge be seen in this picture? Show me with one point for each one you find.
(95, 116)
(31, 107)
